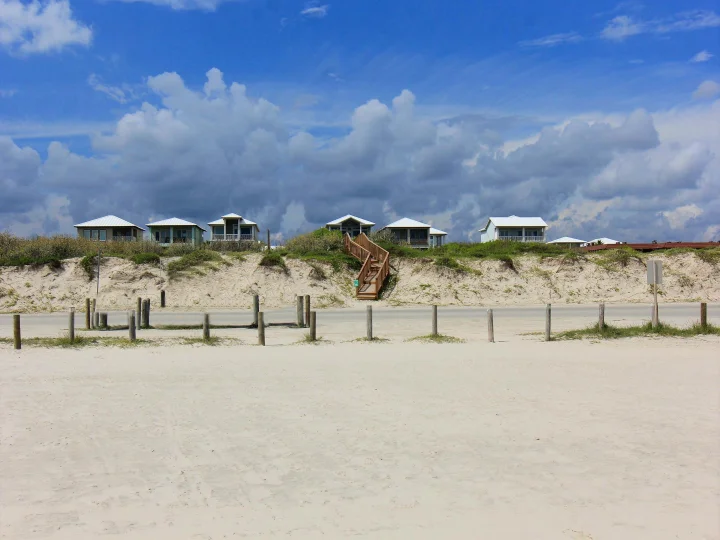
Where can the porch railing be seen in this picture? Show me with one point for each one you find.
(231, 237)
(522, 238)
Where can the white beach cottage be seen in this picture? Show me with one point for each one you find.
(567, 241)
(351, 225)
(514, 228)
(415, 233)
(110, 228)
(233, 227)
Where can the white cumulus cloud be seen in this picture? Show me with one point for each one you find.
(40, 27)
(702, 56)
(707, 90)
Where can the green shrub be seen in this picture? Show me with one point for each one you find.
(710, 256)
(145, 258)
(192, 260)
(273, 259)
(316, 242)
(447, 262)
(88, 264)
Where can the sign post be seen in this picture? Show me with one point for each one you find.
(654, 278)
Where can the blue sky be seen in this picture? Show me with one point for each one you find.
(516, 65)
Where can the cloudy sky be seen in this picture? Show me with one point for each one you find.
(603, 118)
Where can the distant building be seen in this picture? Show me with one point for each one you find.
(409, 231)
(109, 228)
(176, 231)
(351, 225)
(514, 228)
(567, 241)
(601, 242)
(437, 237)
(233, 227)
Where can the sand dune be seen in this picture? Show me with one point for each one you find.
(420, 281)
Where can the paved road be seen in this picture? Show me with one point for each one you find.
(566, 315)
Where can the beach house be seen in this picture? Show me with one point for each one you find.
(408, 231)
(176, 231)
(568, 242)
(514, 228)
(109, 228)
(351, 225)
(437, 237)
(233, 227)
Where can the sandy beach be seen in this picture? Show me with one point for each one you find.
(568, 440)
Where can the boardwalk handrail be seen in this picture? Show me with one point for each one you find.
(366, 250)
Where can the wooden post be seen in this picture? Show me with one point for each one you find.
(434, 321)
(703, 315)
(313, 327)
(71, 325)
(162, 298)
(96, 320)
(93, 321)
(548, 319)
(131, 325)
(261, 329)
(17, 340)
(601, 317)
(369, 324)
(491, 327)
(256, 309)
(87, 314)
(268, 239)
(299, 311)
(147, 314)
(206, 327)
(138, 311)
(103, 320)
(655, 311)
(307, 310)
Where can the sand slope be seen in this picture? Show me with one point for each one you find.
(418, 281)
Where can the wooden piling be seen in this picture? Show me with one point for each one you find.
(261, 329)
(131, 326)
(703, 316)
(162, 298)
(434, 321)
(71, 325)
(93, 320)
(601, 317)
(147, 314)
(87, 314)
(491, 326)
(206, 327)
(307, 310)
(299, 311)
(96, 320)
(256, 309)
(103, 320)
(17, 340)
(313, 327)
(369, 324)
(138, 312)
(548, 321)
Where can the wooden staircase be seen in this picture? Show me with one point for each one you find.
(375, 269)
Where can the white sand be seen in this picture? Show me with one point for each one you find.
(419, 281)
(513, 440)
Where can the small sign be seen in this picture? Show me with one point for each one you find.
(356, 283)
(654, 272)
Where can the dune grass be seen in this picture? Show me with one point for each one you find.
(439, 338)
(193, 261)
(643, 330)
(80, 342)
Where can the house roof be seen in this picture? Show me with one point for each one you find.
(338, 221)
(174, 222)
(567, 240)
(108, 221)
(407, 223)
(437, 232)
(604, 241)
(243, 221)
(515, 221)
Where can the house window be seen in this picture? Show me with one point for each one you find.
(418, 234)
(86, 234)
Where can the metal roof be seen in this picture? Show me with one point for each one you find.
(603, 241)
(515, 221)
(243, 221)
(407, 223)
(171, 222)
(437, 232)
(567, 240)
(108, 221)
(338, 221)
